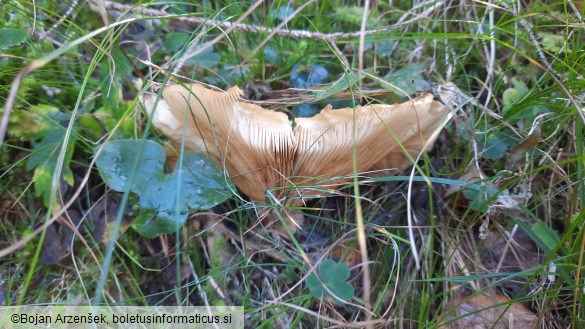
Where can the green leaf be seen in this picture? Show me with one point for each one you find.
(406, 80)
(520, 86)
(272, 56)
(104, 120)
(175, 41)
(122, 62)
(333, 282)
(10, 37)
(515, 108)
(44, 161)
(548, 238)
(147, 224)
(510, 96)
(384, 48)
(552, 42)
(165, 199)
(207, 59)
(479, 197)
(36, 122)
(495, 147)
(513, 95)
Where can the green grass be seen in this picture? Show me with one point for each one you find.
(74, 81)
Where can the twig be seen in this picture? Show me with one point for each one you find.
(297, 34)
(361, 231)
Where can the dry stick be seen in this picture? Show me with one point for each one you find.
(362, 41)
(510, 239)
(298, 34)
(492, 56)
(361, 231)
(425, 14)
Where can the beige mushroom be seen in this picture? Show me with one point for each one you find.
(261, 150)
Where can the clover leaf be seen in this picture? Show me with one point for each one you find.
(165, 199)
(331, 281)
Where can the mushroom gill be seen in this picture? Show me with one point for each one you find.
(261, 150)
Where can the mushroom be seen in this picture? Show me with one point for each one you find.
(260, 149)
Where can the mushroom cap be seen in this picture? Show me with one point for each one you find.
(260, 150)
(380, 134)
(251, 143)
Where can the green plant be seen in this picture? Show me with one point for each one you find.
(331, 281)
(10, 37)
(45, 156)
(165, 199)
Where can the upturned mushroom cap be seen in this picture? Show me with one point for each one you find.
(251, 143)
(382, 133)
(260, 150)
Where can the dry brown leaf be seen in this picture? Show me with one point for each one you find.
(350, 255)
(53, 249)
(487, 311)
(472, 175)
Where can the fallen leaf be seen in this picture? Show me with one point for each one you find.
(487, 311)
(53, 249)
